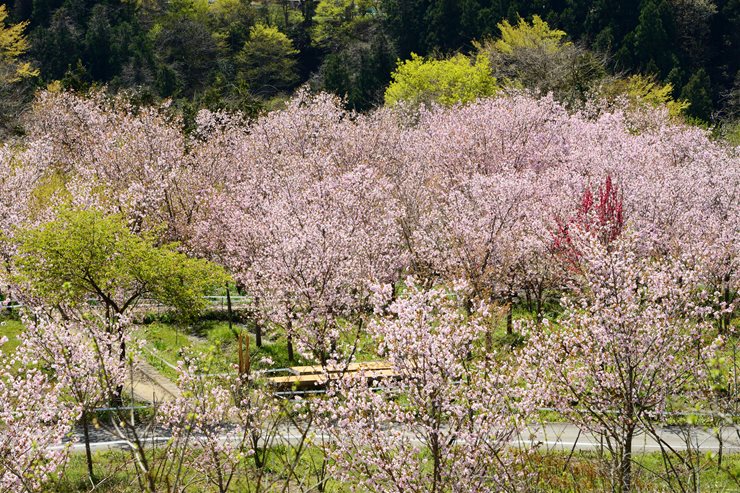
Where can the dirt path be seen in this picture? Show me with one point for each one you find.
(152, 386)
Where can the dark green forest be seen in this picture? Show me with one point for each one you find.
(249, 55)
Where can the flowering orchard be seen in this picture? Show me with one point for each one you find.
(606, 242)
(454, 410)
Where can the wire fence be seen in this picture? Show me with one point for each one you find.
(218, 302)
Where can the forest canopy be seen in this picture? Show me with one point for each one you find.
(252, 55)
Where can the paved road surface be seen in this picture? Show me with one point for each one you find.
(151, 385)
(555, 436)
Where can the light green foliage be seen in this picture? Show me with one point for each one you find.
(536, 57)
(84, 253)
(731, 133)
(197, 10)
(229, 21)
(642, 90)
(335, 19)
(537, 35)
(455, 80)
(13, 44)
(267, 60)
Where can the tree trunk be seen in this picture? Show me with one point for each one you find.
(721, 442)
(10, 302)
(436, 461)
(244, 362)
(258, 458)
(228, 309)
(539, 301)
(625, 466)
(510, 316)
(289, 335)
(88, 452)
(258, 334)
(118, 396)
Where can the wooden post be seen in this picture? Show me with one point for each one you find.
(244, 363)
(240, 351)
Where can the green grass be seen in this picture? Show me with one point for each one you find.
(11, 329)
(169, 344)
(585, 472)
(556, 472)
(110, 468)
(115, 473)
(217, 343)
(213, 341)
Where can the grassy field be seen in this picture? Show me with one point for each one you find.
(556, 472)
(212, 340)
(10, 328)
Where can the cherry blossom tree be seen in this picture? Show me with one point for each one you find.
(626, 345)
(34, 420)
(18, 179)
(306, 231)
(444, 419)
(322, 244)
(121, 159)
(84, 357)
(230, 433)
(218, 426)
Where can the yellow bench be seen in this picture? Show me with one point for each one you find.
(314, 377)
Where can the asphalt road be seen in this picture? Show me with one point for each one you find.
(554, 436)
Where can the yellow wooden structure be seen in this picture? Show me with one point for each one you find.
(314, 377)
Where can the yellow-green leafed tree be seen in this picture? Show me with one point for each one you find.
(455, 80)
(13, 45)
(336, 20)
(539, 58)
(537, 35)
(15, 74)
(267, 61)
(84, 253)
(641, 90)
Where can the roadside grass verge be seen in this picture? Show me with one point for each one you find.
(546, 472)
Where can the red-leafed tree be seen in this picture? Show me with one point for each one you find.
(601, 213)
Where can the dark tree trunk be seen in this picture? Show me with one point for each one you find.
(291, 355)
(625, 469)
(88, 452)
(258, 334)
(228, 309)
(510, 316)
(540, 299)
(118, 395)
